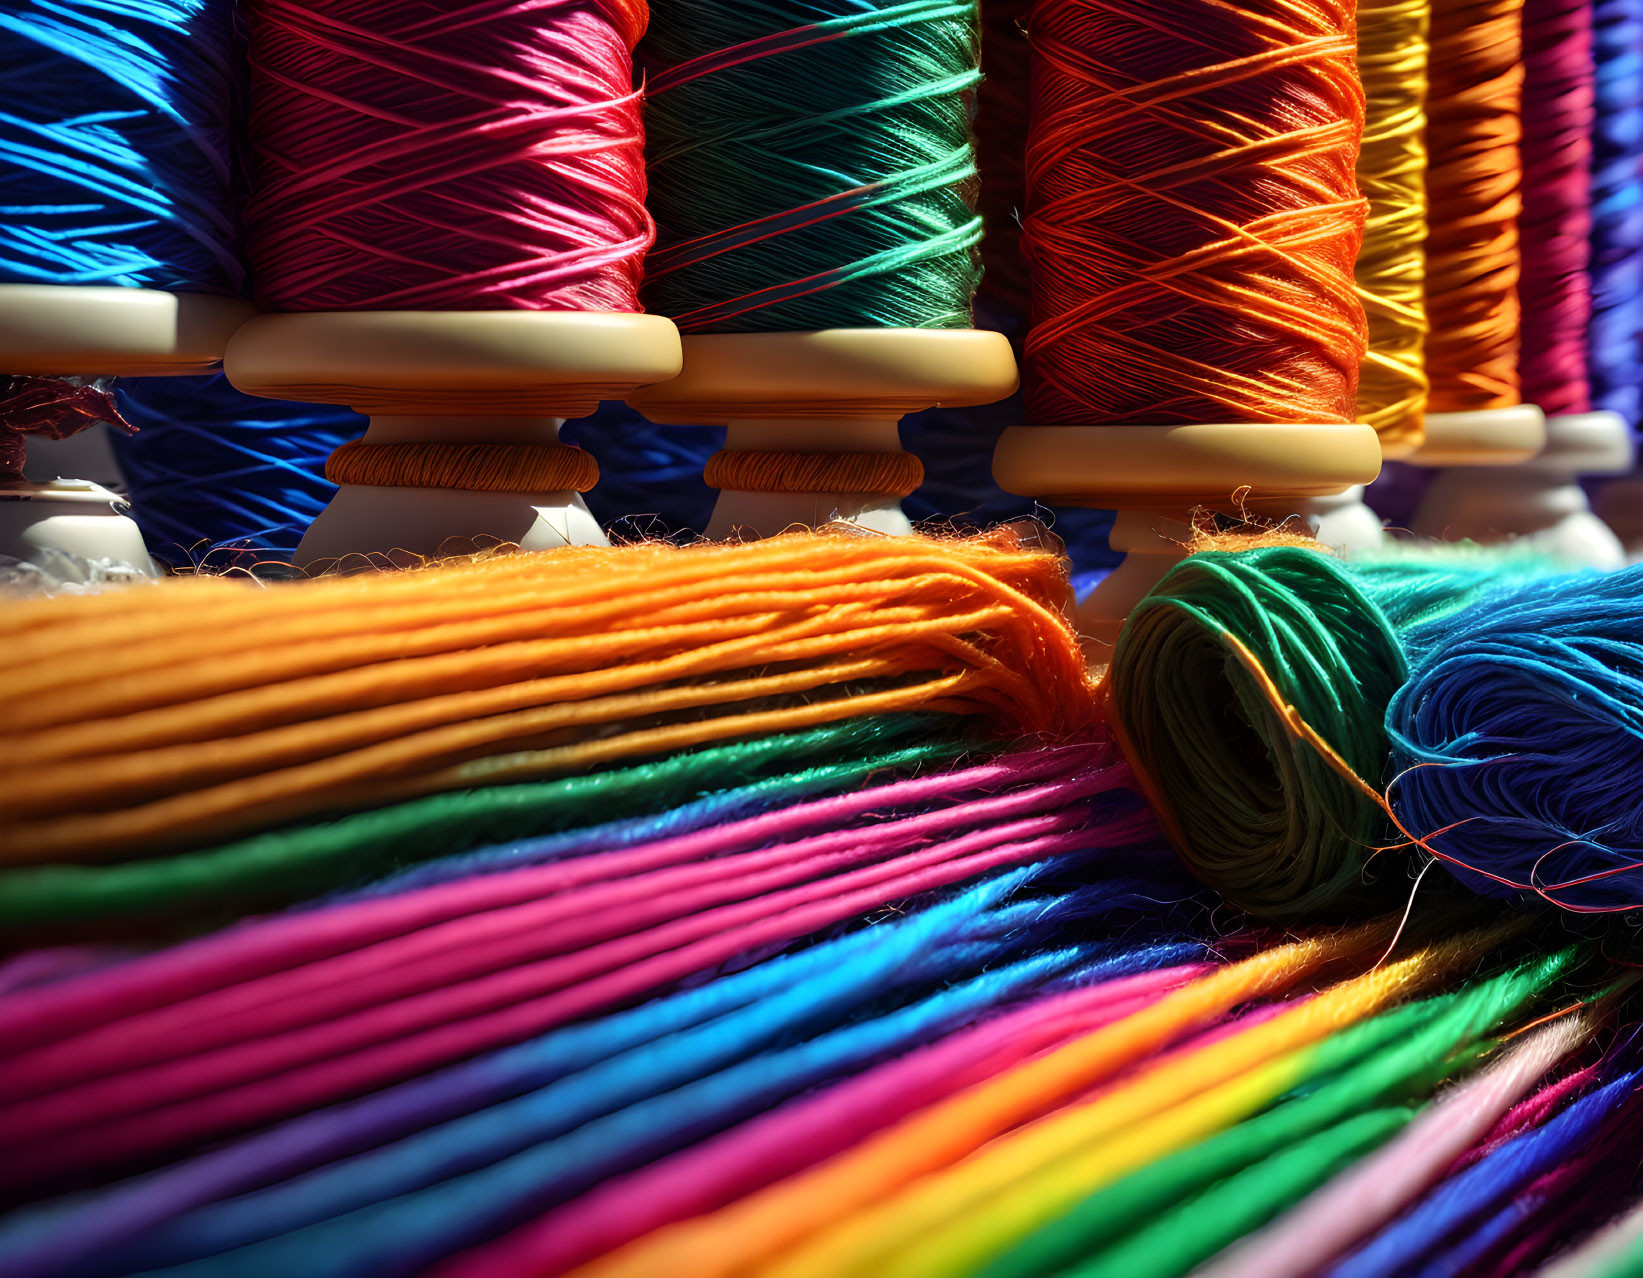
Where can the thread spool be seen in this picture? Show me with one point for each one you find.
(1616, 340)
(813, 181)
(447, 211)
(118, 254)
(1005, 297)
(1192, 222)
(1476, 414)
(1391, 266)
(1542, 500)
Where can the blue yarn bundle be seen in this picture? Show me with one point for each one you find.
(217, 476)
(1518, 740)
(393, 1181)
(114, 144)
(1616, 336)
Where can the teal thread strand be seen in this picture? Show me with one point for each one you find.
(811, 165)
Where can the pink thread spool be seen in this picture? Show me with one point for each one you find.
(447, 207)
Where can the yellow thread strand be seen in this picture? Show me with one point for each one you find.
(1391, 269)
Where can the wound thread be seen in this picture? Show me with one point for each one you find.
(810, 164)
(478, 468)
(461, 156)
(1615, 341)
(1005, 297)
(752, 470)
(1192, 214)
(1558, 114)
(1391, 270)
(218, 477)
(114, 139)
(1474, 192)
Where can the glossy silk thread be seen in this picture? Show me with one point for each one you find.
(1474, 189)
(811, 164)
(1558, 115)
(1615, 341)
(114, 144)
(467, 156)
(1192, 215)
(1391, 270)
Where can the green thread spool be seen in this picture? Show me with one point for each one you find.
(810, 164)
(814, 184)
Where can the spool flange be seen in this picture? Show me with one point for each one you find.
(835, 391)
(1158, 476)
(60, 330)
(493, 377)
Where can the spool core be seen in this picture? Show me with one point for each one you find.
(452, 377)
(833, 391)
(1159, 477)
(60, 330)
(1540, 500)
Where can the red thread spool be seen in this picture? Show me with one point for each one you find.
(448, 204)
(1556, 224)
(1192, 224)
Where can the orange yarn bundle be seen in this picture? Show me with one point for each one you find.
(1474, 190)
(201, 709)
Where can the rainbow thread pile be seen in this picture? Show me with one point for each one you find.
(808, 907)
(793, 908)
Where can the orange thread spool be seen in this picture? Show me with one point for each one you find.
(1192, 213)
(1474, 188)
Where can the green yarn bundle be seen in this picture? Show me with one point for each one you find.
(810, 163)
(1217, 671)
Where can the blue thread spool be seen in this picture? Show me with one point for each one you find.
(117, 244)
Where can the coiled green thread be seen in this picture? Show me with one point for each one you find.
(1258, 813)
(811, 164)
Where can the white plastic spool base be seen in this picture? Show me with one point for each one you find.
(1157, 477)
(70, 517)
(1621, 506)
(739, 515)
(366, 520)
(49, 330)
(476, 377)
(1540, 502)
(830, 391)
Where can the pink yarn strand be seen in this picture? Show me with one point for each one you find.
(175, 976)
